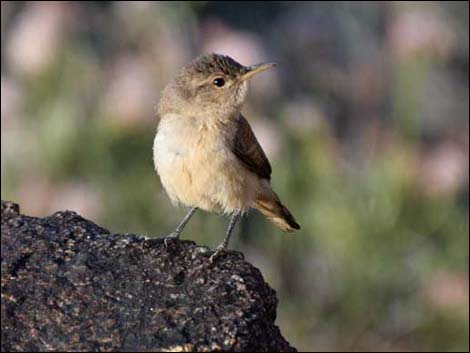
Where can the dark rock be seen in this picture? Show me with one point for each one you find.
(70, 285)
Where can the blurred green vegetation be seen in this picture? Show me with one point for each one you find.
(366, 125)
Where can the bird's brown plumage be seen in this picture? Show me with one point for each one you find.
(248, 150)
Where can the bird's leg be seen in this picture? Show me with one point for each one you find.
(229, 231)
(179, 229)
(228, 234)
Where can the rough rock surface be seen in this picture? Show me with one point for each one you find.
(68, 284)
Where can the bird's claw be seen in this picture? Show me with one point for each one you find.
(170, 237)
(218, 251)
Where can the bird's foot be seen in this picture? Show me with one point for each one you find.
(218, 251)
(170, 237)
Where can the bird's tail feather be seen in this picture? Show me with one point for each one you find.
(277, 213)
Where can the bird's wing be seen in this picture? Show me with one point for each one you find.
(248, 150)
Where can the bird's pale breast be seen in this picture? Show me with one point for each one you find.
(197, 167)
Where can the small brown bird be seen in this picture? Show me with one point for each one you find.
(205, 152)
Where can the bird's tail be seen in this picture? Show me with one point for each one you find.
(277, 213)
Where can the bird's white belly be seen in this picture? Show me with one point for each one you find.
(197, 168)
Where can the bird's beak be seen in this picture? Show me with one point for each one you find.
(256, 69)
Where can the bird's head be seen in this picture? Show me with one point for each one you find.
(210, 84)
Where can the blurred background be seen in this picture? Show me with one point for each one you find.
(365, 121)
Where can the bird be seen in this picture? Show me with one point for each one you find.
(205, 152)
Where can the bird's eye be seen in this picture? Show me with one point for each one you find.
(219, 82)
